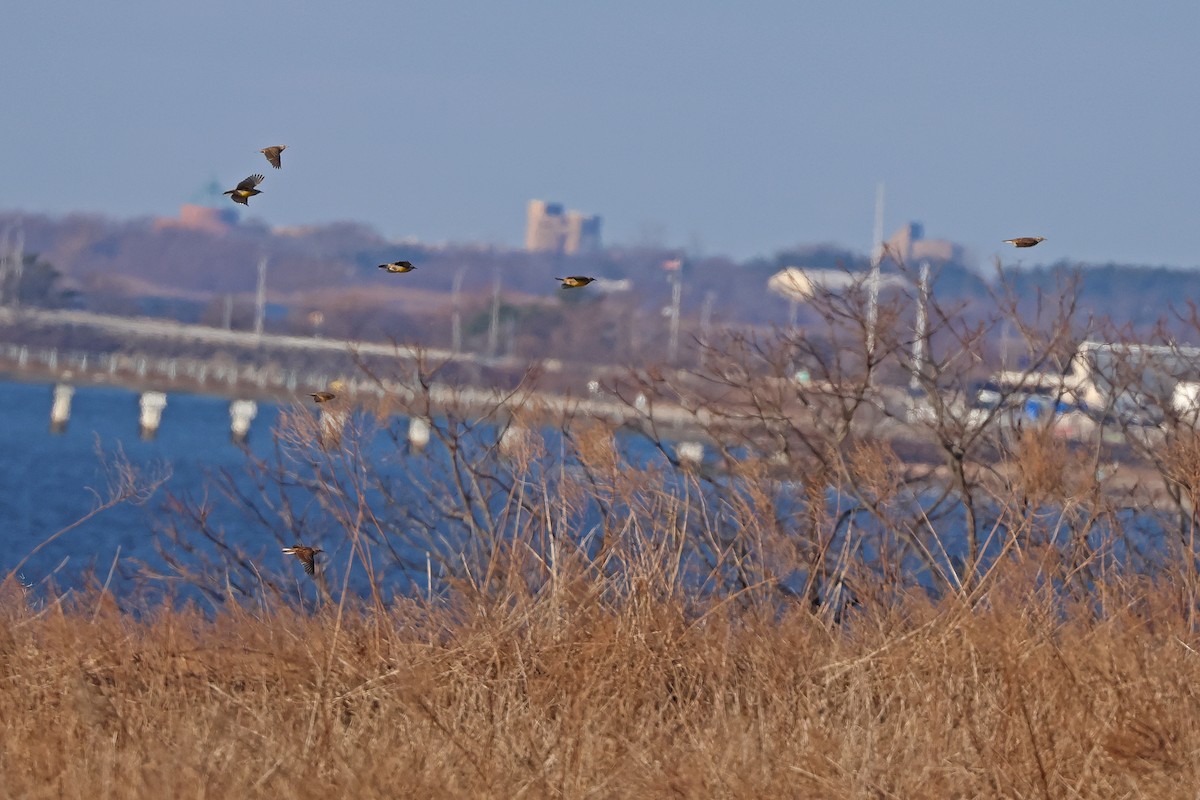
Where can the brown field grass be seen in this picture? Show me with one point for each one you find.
(642, 628)
(582, 691)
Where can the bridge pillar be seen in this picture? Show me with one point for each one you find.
(152, 405)
(241, 412)
(419, 430)
(60, 411)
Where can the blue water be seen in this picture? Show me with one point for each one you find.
(260, 496)
(50, 481)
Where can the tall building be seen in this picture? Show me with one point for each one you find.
(209, 211)
(550, 229)
(909, 245)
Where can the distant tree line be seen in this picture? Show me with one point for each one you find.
(330, 273)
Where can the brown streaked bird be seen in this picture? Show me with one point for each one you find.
(398, 266)
(322, 397)
(245, 190)
(1025, 241)
(307, 556)
(575, 281)
(273, 153)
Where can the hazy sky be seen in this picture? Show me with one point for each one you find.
(740, 128)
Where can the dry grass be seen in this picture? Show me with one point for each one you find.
(732, 637)
(600, 693)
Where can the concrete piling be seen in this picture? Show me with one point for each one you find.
(419, 431)
(512, 439)
(152, 405)
(241, 413)
(60, 411)
(332, 423)
(689, 453)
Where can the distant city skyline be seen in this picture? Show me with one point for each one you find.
(550, 228)
(729, 129)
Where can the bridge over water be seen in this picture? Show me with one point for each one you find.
(129, 332)
(247, 367)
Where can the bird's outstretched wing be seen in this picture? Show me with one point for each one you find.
(272, 154)
(310, 566)
(250, 183)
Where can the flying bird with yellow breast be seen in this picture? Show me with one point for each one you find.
(398, 266)
(245, 190)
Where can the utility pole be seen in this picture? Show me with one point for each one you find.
(676, 296)
(921, 325)
(260, 296)
(494, 326)
(1005, 330)
(456, 312)
(706, 323)
(12, 265)
(873, 281)
(17, 266)
(710, 297)
(3, 266)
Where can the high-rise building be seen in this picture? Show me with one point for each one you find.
(550, 229)
(909, 245)
(209, 211)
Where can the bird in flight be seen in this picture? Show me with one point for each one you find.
(273, 153)
(1025, 241)
(574, 281)
(307, 556)
(322, 397)
(398, 266)
(245, 190)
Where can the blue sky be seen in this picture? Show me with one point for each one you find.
(737, 128)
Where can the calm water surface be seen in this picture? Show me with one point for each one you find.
(49, 481)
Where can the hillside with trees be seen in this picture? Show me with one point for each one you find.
(324, 280)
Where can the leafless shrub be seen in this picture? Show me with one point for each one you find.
(874, 585)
